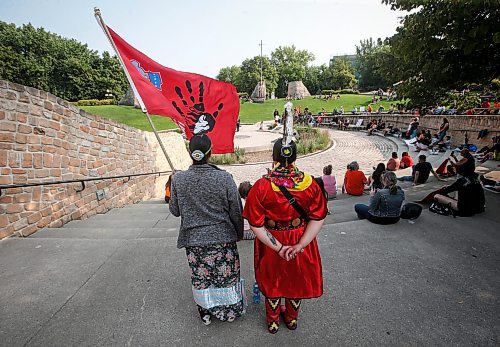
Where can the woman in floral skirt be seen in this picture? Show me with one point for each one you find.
(207, 200)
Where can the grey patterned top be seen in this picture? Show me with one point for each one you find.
(207, 200)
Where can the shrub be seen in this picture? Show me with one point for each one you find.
(95, 102)
(309, 140)
(340, 91)
(312, 140)
(238, 157)
(462, 102)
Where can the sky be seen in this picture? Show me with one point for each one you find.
(206, 35)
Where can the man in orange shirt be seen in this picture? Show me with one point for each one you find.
(354, 180)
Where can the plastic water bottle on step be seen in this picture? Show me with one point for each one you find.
(256, 294)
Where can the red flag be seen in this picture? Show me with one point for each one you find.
(441, 170)
(198, 104)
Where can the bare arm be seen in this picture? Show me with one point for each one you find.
(438, 178)
(270, 241)
(459, 162)
(415, 180)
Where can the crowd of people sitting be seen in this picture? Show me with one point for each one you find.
(387, 198)
(423, 139)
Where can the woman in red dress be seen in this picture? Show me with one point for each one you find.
(287, 261)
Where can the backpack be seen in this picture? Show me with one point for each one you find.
(442, 209)
(411, 211)
(167, 189)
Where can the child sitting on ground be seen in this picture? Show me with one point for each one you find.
(244, 189)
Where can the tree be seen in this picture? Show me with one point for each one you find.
(230, 74)
(371, 59)
(313, 78)
(290, 64)
(342, 74)
(64, 67)
(444, 45)
(250, 74)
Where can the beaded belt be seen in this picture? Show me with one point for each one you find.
(285, 225)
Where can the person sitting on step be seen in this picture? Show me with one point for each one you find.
(420, 172)
(470, 199)
(354, 180)
(385, 204)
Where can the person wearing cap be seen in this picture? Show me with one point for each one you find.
(207, 200)
(287, 261)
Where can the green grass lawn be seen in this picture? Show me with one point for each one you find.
(249, 112)
(130, 116)
(253, 112)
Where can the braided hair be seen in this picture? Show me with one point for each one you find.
(390, 180)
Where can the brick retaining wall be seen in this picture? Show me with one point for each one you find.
(45, 138)
(458, 125)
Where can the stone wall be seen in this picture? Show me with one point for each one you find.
(44, 138)
(458, 125)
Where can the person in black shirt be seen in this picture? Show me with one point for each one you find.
(470, 196)
(421, 172)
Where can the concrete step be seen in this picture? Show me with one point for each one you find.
(92, 232)
(118, 221)
(153, 202)
(341, 218)
(154, 206)
(105, 233)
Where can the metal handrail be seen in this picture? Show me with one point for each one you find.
(80, 180)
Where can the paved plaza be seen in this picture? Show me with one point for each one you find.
(118, 279)
(346, 147)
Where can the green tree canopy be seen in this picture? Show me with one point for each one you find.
(443, 45)
(342, 74)
(229, 74)
(64, 67)
(290, 64)
(250, 74)
(371, 59)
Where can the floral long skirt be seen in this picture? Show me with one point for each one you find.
(215, 278)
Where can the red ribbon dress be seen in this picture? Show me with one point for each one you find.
(299, 278)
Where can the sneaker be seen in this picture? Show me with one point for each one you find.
(205, 316)
(206, 319)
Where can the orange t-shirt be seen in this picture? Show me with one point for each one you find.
(354, 182)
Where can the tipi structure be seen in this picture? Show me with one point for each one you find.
(259, 93)
(297, 90)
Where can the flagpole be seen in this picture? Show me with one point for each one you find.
(100, 21)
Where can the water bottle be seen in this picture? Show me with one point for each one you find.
(256, 294)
